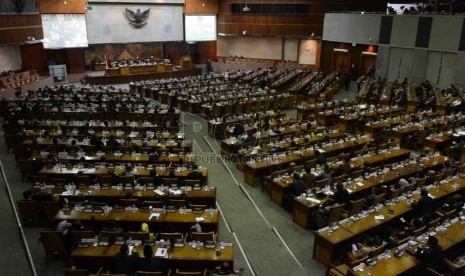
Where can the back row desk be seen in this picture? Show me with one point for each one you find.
(327, 241)
(302, 208)
(253, 170)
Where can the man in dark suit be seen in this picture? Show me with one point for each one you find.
(341, 195)
(125, 263)
(308, 177)
(433, 255)
(296, 188)
(151, 264)
(425, 205)
(196, 175)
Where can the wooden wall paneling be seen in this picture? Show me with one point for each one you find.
(33, 57)
(174, 50)
(16, 28)
(76, 62)
(207, 50)
(201, 7)
(14, 21)
(341, 61)
(59, 6)
(9, 36)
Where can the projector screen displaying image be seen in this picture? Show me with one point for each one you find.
(200, 27)
(64, 30)
(116, 23)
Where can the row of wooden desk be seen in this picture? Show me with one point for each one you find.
(328, 239)
(132, 219)
(279, 185)
(302, 208)
(178, 257)
(253, 170)
(453, 236)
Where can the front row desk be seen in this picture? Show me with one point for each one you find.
(388, 264)
(180, 257)
(331, 238)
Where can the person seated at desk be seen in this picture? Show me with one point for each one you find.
(151, 264)
(362, 249)
(326, 174)
(308, 177)
(296, 188)
(291, 169)
(196, 175)
(125, 263)
(432, 256)
(341, 196)
(425, 205)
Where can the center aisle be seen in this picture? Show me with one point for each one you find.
(271, 241)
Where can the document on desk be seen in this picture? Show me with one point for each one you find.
(158, 192)
(154, 216)
(161, 252)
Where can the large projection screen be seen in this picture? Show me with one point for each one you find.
(108, 24)
(200, 27)
(64, 31)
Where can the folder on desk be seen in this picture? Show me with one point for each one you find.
(161, 252)
(154, 216)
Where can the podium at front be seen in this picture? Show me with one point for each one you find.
(186, 62)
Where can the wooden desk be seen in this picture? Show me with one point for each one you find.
(277, 187)
(259, 169)
(113, 195)
(454, 235)
(143, 171)
(133, 219)
(177, 256)
(347, 231)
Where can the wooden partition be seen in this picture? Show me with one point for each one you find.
(17, 28)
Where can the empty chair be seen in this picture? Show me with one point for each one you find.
(335, 213)
(396, 193)
(457, 270)
(111, 234)
(421, 182)
(191, 273)
(177, 203)
(169, 181)
(378, 250)
(139, 235)
(203, 236)
(53, 243)
(79, 235)
(321, 183)
(80, 272)
(153, 203)
(28, 211)
(355, 207)
(154, 273)
(410, 188)
(192, 183)
(197, 208)
(169, 236)
(378, 199)
(126, 202)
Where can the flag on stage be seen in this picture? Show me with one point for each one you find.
(107, 62)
